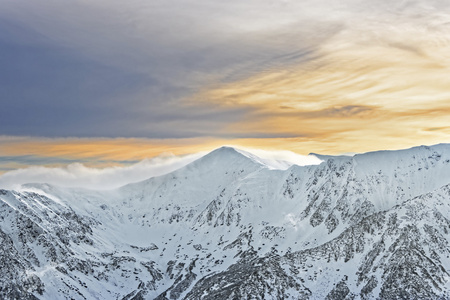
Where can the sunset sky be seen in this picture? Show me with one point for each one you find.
(109, 82)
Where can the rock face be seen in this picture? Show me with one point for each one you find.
(371, 226)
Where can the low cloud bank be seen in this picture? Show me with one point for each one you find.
(79, 175)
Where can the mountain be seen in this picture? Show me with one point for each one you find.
(233, 226)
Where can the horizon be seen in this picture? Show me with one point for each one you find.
(109, 84)
(78, 175)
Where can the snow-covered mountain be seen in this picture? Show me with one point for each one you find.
(232, 226)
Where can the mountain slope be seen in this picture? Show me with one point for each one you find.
(230, 226)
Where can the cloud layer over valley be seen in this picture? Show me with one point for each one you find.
(79, 175)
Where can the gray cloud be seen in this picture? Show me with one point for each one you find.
(341, 112)
(114, 68)
(125, 68)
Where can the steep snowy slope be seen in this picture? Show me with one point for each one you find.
(231, 225)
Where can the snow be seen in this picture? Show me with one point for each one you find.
(230, 200)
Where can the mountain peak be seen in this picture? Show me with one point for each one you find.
(225, 225)
(235, 154)
(226, 150)
(273, 160)
(225, 156)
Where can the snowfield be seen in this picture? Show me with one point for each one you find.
(231, 225)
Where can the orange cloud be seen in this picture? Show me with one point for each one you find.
(376, 84)
(367, 88)
(97, 149)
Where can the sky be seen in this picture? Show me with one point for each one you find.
(112, 84)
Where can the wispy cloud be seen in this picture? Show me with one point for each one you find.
(114, 68)
(321, 76)
(367, 83)
(79, 175)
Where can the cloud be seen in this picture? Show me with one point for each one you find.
(322, 75)
(281, 159)
(367, 85)
(115, 68)
(79, 175)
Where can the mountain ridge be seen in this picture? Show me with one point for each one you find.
(228, 226)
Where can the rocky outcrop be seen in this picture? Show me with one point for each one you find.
(372, 226)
